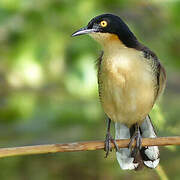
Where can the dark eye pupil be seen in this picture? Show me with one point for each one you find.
(103, 23)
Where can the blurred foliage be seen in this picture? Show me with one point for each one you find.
(49, 89)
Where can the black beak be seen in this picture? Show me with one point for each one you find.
(83, 31)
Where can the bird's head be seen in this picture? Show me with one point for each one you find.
(107, 28)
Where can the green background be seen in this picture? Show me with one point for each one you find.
(48, 85)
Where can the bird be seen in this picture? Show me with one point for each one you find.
(130, 81)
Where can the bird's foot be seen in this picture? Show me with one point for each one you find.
(109, 139)
(136, 137)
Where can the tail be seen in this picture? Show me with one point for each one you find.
(149, 156)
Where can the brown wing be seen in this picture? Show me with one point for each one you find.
(158, 70)
(161, 80)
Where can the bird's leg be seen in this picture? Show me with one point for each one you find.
(136, 137)
(109, 139)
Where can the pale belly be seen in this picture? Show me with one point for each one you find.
(127, 93)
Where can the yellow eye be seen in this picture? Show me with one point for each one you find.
(103, 23)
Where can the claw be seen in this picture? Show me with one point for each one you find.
(136, 137)
(109, 140)
(108, 144)
(115, 144)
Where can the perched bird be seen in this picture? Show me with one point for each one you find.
(130, 80)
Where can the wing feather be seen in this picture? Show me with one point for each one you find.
(161, 81)
(158, 70)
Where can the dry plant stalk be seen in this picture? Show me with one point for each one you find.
(83, 146)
